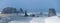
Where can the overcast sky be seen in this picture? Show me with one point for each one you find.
(31, 5)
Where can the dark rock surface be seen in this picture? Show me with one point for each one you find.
(20, 10)
(51, 12)
(9, 10)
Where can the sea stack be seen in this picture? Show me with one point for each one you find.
(21, 10)
(26, 15)
(9, 10)
(51, 12)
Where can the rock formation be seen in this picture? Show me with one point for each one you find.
(51, 12)
(9, 10)
(32, 15)
(21, 10)
(26, 13)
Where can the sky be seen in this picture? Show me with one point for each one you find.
(31, 5)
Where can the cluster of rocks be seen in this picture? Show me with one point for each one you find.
(26, 15)
(9, 10)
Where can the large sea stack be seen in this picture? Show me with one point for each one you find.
(51, 12)
(9, 10)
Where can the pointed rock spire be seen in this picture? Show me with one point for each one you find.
(26, 13)
(21, 10)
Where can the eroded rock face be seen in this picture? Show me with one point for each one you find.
(51, 12)
(9, 10)
(21, 10)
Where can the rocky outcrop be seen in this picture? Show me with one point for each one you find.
(9, 10)
(51, 12)
(32, 15)
(20, 10)
(26, 15)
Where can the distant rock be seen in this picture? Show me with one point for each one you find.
(32, 15)
(51, 12)
(8, 10)
(41, 13)
(26, 15)
(20, 10)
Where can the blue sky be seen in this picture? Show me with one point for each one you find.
(31, 5)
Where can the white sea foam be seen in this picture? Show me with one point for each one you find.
(54, 19)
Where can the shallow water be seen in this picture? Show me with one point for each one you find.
(33, 20)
